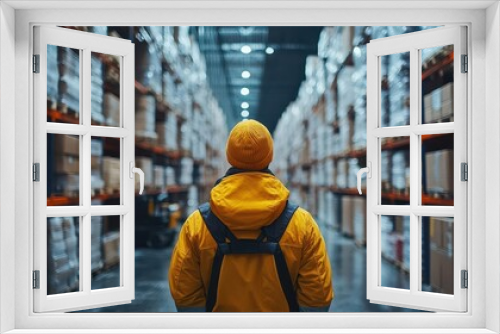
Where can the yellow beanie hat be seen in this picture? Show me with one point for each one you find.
(249, 146)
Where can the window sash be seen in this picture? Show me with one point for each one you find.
(86, 43)
(413, 42)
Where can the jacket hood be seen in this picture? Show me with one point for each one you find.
(248, 201)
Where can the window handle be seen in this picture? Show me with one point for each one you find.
(368, 171)
(135, 170)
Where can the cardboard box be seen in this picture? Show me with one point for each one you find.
(112, 109)
(67, 164)
(66, 145)
(442, 277)
(441, 233)
(447, 276)
(111, 173)
(439, 168)
(111, 248)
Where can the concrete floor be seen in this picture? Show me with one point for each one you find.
(349, 278)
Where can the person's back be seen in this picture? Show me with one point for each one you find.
(246, 202)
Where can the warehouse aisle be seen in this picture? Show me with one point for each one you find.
(348, 264)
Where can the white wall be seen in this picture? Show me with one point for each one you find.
(7, 161)
(492, 163)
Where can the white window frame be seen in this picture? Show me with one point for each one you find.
(483, 102)
(413, 43)
(86, 43)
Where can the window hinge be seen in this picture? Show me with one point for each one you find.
(36, 279)
(36, 172)
(465, 279)
(36, 63)
(465, 64)
(464, 171)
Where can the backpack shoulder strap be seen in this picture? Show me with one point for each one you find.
(217, 229)
(219, 232)
(273, 233)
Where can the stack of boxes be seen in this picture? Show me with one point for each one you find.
(67, 164)
(96, 262)
(111, 248)
(63, 256)
(96, 87)
(69, 81)
(438, 105)
(97, 152)
(52, 76)
(145, 116)
(441, 254)
(111, 174)
(439, 170)
(321, 136)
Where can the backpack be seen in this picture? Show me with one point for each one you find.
(266, 243)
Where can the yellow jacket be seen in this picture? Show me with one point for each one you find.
(249, 283)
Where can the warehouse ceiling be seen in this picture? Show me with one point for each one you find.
(268, 61)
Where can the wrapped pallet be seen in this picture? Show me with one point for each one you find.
(97, 89)
(111, 174)
(145, 116)
(52, 76)
(69, 81)
(96, 260)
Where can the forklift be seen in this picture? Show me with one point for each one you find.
(157, 221)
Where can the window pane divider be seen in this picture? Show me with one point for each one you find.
(106, 131)
(422, 129)
(109, 210)
(67, 129)
(67, 211)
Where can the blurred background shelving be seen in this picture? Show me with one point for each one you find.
(188, 95)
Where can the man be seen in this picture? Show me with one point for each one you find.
(249, 249)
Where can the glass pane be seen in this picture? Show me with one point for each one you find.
(63, 84)
(437, 84)
(437, 254)
(63, 169)
(395, 251)
(105, 81)
(395, 89)
(395, 171)
(105, 170)
(63, 255)
(105, 252)
(437, 173)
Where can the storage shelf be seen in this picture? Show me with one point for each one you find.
(145, 148)
(66, 201)
(392, 196)
(438, 66)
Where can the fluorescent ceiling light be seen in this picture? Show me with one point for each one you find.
(246, 49)
(245, 105)
(245, 74)
(244, 113)
(269, 50)
(245, 91)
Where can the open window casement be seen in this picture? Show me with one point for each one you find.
(419, 135)
(64, 134)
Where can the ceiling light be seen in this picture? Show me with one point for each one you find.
(245, 74)
(244, 119)
(269, 50)
(245, 105)
(245, 91)
(246, 49)
(244, 113)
